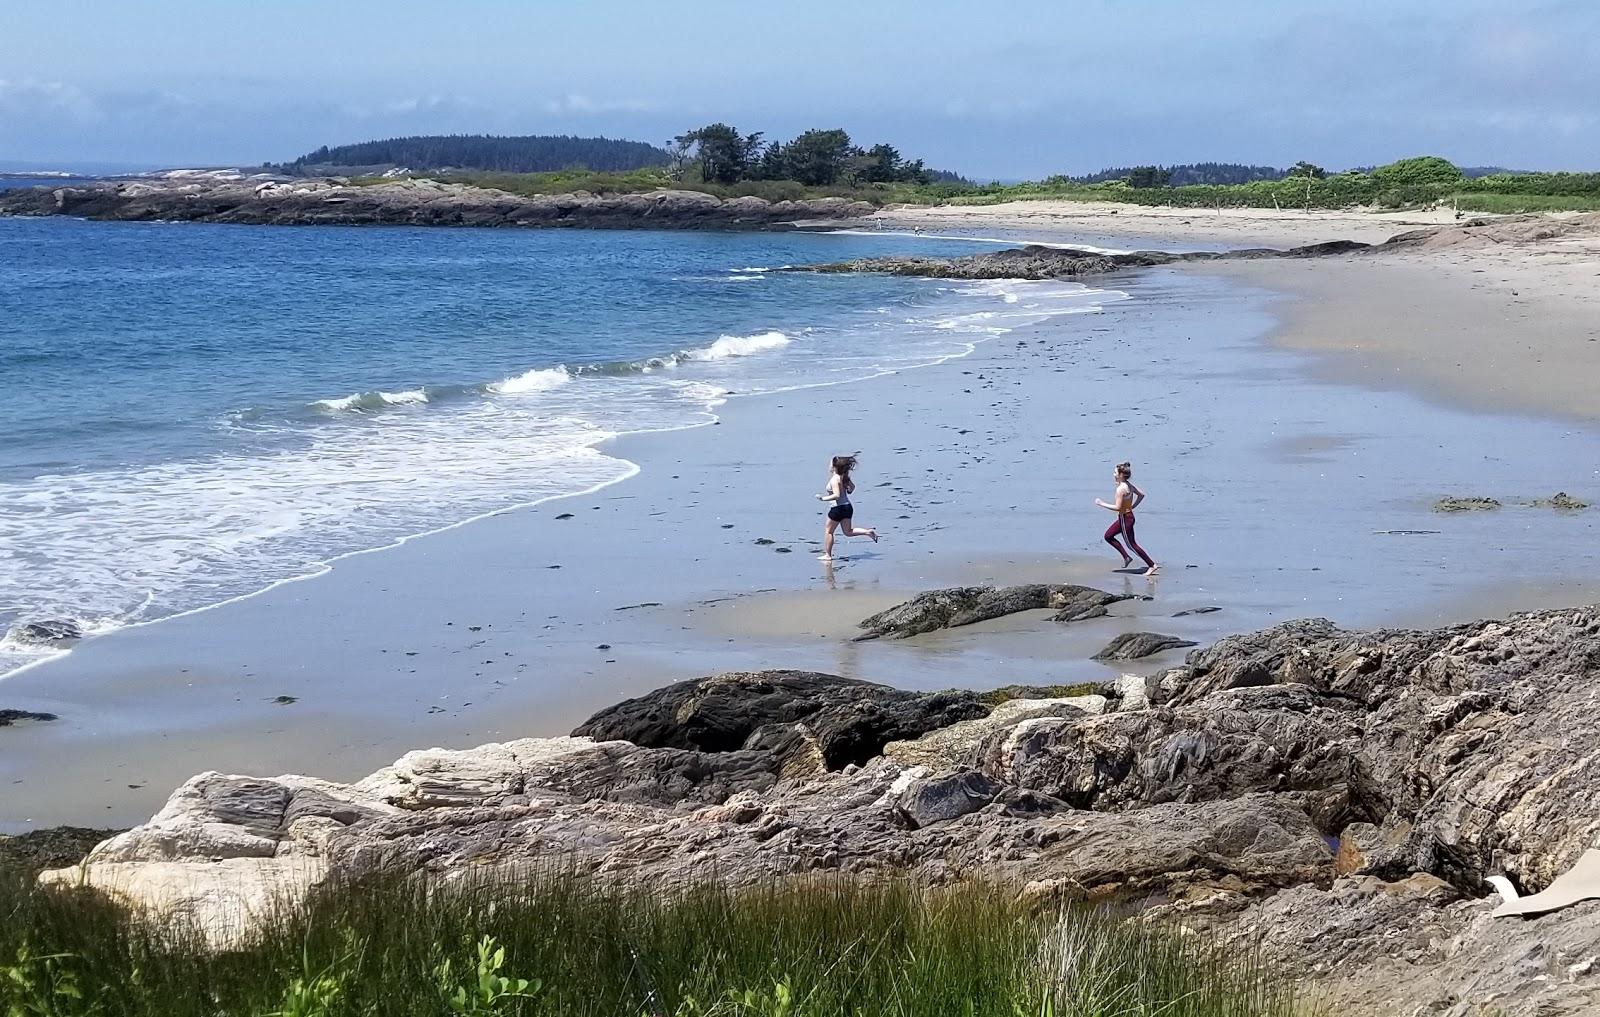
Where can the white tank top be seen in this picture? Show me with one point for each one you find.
(844, 496)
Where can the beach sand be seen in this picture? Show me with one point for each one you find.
(1156, 228)
(1288, 477)
(1496, 327)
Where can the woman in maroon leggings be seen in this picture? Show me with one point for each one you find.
(1128, 498)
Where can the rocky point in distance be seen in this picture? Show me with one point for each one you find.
(231, 198)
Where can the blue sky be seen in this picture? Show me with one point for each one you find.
(1007, 90)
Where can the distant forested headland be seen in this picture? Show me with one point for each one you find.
(722, 160)
(537, 153)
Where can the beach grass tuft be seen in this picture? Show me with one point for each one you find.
(555, 943)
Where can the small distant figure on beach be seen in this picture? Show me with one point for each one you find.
(1127, 499)
(840, 487)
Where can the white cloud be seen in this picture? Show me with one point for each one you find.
(584, 104)
(30, 96)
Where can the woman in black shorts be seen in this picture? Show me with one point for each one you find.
(840, 487)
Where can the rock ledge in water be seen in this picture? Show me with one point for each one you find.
(56, 633)
(1134, 645)
(1453, 504)
(967, 605)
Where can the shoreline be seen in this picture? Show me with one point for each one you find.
(350, 691)
(1541, 289)
(422, 202)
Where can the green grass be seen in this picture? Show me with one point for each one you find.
(1512, 203)
(555, 944)
(1412, 183)
(639, 181)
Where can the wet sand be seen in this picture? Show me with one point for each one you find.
(1276, 491)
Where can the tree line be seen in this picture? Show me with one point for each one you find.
(534, 153)
(816, 158)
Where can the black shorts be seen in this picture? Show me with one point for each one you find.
(839, 513)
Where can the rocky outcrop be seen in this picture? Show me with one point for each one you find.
(1340, 797)
(1135, 645)
(958, 744)
(58, 633)
(1561, 501)
(301, 202)
(9, 717)
(809, 722)
(1255, 741)
(1452, 503)
(966, 605)
(49, 848)
(1035, 261)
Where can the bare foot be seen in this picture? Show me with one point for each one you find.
(824, 557)
(874, 535)
(1152, 570)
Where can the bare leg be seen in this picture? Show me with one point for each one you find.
(851, 531)
(827, 542)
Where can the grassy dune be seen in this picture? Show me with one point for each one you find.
(556, 944)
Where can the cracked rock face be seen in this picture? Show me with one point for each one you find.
(1340, 796)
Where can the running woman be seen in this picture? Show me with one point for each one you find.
(840, 487)
(1128, 498)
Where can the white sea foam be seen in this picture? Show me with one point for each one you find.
(740, 346)
(130, 546)
(537, 380)
(373, 400)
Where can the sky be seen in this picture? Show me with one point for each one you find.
(995, 91)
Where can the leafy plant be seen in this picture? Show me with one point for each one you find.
(489, 992)
(42, 986)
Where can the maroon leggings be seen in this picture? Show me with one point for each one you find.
(1123, 527)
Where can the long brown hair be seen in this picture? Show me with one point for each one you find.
(842, 465)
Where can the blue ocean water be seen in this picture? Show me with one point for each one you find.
(194, 413)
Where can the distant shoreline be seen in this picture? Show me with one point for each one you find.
(323, 202)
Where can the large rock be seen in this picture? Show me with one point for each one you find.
(56, 633)
(1482, 736)
(966, 605)
(1134, 645)
(1417, 946)
(810, 721)
(957, 745)
(1134, 759)
(9, 717)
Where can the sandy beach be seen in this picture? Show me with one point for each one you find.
(1491, 326)
(1290, 434)
(1165, 228)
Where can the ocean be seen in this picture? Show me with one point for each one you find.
(197, 413)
